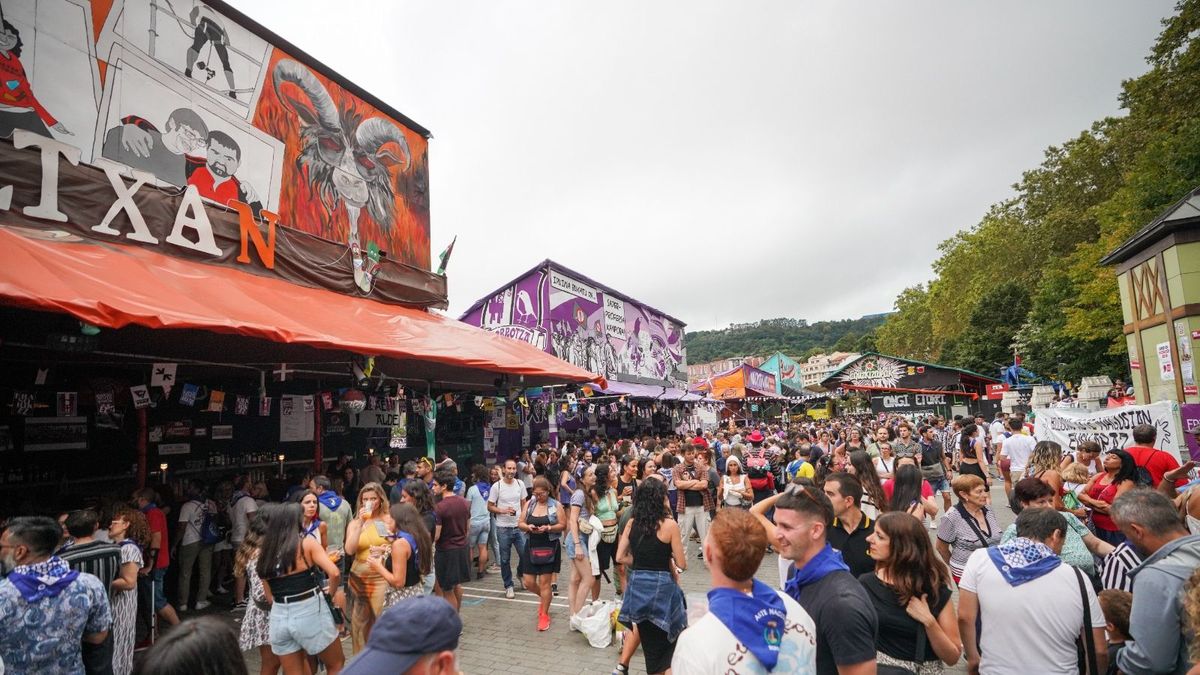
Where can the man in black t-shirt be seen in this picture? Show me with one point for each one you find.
(821, 582)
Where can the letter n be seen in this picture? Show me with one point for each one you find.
(249, 232)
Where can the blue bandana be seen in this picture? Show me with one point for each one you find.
(485, 488)
(42, 580)
(330, 500)
(1023, 560)
(412, 544)
(823, 563)
(312, 529)
(757, 620)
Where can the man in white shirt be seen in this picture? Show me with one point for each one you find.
(507, 500)
(750, 627)
(242, 508)
(190, 547)
(1031, 603)
(1014, 454)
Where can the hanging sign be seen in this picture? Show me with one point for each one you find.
(216, 401)
(295, 424)
(174, 448)
(141, 396)
(163, 375)
(188, 397)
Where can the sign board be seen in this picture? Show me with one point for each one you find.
(614, 317)
(377, 419)
(1111, 428)
(995, 392)
(174, 449)
(562, 282)
(759, 380)
(911, 404)
(1189, 414)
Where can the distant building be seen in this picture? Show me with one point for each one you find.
(698, 372)
(819, 367)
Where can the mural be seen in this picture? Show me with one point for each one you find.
(585, 326)
(178, 91)
(787, 372)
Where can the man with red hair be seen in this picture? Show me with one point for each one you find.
(750, 627)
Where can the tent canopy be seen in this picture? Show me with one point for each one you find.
(742, 381)
(115, 286)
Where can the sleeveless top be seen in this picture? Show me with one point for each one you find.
(651, 554)
(293, 583)
(606, 509)
(412, 569)
(370, 535)
(733, 491)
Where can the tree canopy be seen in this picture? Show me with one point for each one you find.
(1038, 253)
(794, 337)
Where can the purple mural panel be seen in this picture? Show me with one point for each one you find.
(517, 311)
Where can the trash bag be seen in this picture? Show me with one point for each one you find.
(595, 622)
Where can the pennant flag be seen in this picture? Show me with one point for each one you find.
(141, 396)
(478, 401)
(282, 372)
(264, 406)
(163, 375)
(327, 400)
(309, 404)
(242, 405)
(188, 397)
(42, 373)
(216, 401)
(445, 257)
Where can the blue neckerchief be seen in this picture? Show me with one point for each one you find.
(237, 496)
(330, 500)
(485, 489)
(757, 620)
(146, 508)
(42, 580)
(827, 560)
(1023, 560)
(412, 544)
(311, 529)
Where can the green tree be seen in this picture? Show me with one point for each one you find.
(909, 331)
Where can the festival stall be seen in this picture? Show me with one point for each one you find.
(637, 348)
(908, 387)
(186, 290)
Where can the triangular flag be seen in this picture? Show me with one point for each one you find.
(445, 257)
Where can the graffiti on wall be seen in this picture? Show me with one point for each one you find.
(516, 311)
(177, 93)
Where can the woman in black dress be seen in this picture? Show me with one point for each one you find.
(543, 520)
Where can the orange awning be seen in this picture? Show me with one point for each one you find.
(113, 286)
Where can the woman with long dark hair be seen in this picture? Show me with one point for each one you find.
(647, 468)
(302, 622)
(256, 622)
(908, 492)
(652, 549)
(1120, 476)
(873, 499)
(312, 525)
(606, 506)
(408, 560)
(972, 459)
(417, 493)
(910, 588)
(582, 506)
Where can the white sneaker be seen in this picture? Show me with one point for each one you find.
(508, 593)
(202, 605)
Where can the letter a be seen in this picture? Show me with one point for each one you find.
(125, 203)
(47, 207)
(250, 233)
(191, 215)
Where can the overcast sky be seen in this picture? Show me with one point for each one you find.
(725, 161)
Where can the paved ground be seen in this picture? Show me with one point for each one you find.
(501, 635)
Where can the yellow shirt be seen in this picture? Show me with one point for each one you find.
(370, 535)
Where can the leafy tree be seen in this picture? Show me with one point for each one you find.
(909, 332)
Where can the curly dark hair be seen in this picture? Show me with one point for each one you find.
(419, 492)
(649, 508)
(139, 528)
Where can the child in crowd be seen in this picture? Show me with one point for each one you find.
(1115, 605)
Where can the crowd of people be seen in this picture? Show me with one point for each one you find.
(1097, 570)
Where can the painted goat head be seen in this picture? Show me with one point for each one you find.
(342, 154)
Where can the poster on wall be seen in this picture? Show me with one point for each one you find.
(1186, 367)
(1111, 428)
(1189, 414)
(294, 423)
(1166, 369)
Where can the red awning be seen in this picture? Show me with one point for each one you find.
(113, 286)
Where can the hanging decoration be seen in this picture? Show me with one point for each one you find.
(141, 396)
(163, 375)
(264, 406)
(241, 405)
(353, 401)
(326, 400)
(188, 397)
(216, 401)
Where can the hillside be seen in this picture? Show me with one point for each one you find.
(794, 337)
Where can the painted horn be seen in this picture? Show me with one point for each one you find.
(290, 71)
(374, 132)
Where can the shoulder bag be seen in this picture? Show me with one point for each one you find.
(1085, 645)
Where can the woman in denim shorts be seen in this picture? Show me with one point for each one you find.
(302, 621)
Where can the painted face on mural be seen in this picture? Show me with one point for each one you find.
(8, 39)
(183, 139)
(223, 160)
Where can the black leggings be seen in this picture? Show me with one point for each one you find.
(207, 31)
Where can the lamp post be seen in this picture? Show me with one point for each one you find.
(162, 469)
(281, 458)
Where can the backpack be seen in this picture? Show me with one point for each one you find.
(1141, 475)
(216, 525)
(757, 466)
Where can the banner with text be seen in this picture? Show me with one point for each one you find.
(1111, 428)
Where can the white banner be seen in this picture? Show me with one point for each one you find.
(560, 282)
(1111, 427)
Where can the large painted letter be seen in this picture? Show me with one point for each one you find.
(47, 207)
(125, 203)
(191, 215)
(250, 233)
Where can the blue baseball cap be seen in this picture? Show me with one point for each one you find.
(406, 632)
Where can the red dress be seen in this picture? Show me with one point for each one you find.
(1106, 493)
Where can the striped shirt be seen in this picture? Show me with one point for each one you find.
(98, 558)
(1115, 568)
(960, 535)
